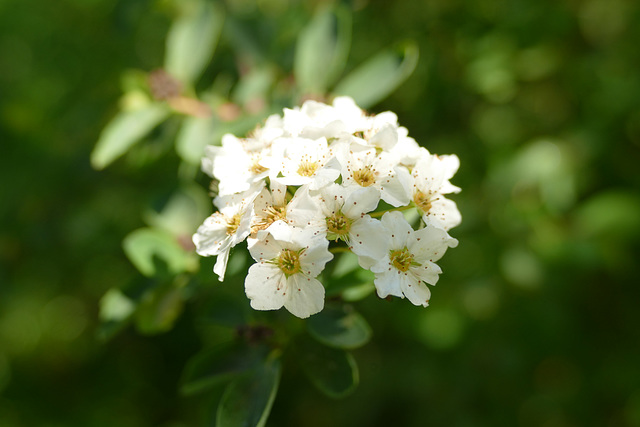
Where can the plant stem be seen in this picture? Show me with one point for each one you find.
(401, 208)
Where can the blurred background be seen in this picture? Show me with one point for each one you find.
(533, 323)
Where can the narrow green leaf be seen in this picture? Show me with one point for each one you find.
(195, 134)
(254, 86)
(374, 80)
(142, 245)
(220, 363)
(126, 128)
(322, 50)
(247, 401)
(159, 309)
(339, 326)
(192, 40)
(333, 371)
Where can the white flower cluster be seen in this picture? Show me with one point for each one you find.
(318, 174)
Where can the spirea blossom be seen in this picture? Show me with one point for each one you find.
(324, 179)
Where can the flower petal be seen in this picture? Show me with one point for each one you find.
(368, 239)
(430, 244)
(388, 283)
(414, 289)
(266, 287)
(305, 296)
(398, 229)
(395, 189)
(362, 200)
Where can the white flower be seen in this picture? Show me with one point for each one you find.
(236, 164)
(338, 213)
(364, 167)
(431, 181)
(300, 161)
(285, 272)
(226, 228)
(315, 119)
(410, 259)
(271, 207)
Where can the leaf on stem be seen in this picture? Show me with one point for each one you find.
(322, 49)
(220, 363)
(124, 130)
(374, 80)
(339, 326)
(247, 401)
(159, 309)
(333, 371)
(192, 40)
(143, 244)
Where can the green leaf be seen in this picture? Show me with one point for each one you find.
(159, 309)
(220, 363)
(333, 371)
(349, 281)
(182, 214)
(339, 326)
(322, 49)
(116, 306)
(253, 86)
(374, 80)
(195, 134)
(116, 310)
(247, 401)
(126, 128)
(192, 40)
(142, 245)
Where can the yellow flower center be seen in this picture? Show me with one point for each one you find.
(307, 168)
(256, 168)
(233, 223)
(269, 216)
(422, 201)
(365, 176)
(338, 224)
(289, 261)
(401, 259)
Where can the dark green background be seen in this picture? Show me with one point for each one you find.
(535, 319)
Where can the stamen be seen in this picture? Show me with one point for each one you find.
(233, 223)
(307, 168)
(401, 259)
(364, 177)
(289, 261)
(422, 201)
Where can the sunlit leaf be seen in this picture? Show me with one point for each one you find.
(116, 310)
(114, 305)
(126, 128)
(247, 401)
(374, 80)
(192, 39)
(195, 134)
(339, 326)
(333, 371)
(220, 363)
(142, 245)
(322, 50)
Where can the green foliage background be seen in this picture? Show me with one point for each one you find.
(535, 319)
